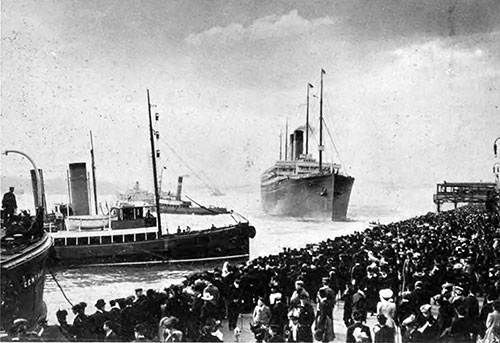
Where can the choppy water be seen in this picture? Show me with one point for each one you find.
(273, 234)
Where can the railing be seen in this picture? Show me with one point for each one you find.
(462, 192)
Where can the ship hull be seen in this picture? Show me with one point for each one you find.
(231, 242)
(307, 196)
(23, 280)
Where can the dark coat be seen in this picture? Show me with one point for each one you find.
(384, 335)
(350, 330)
(9, 201)
(304, 334)
(113, 337)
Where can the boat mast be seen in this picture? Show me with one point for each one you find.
(155, 176)
(93, 171)
(321, 147)
(307, 119)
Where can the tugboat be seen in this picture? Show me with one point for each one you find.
(25, 249)
(171, 203)
(301, 186)
(132, 235)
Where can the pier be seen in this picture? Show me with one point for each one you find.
(462, 192)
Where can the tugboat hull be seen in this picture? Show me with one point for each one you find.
(131, 248)
(23, 279)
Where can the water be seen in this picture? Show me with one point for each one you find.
(273, 234)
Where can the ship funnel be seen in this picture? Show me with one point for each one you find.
(79, 188)
(299, 144)
(40, 200)
(179, 188)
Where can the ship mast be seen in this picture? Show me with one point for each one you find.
(286, 140)
(281, 143)
(93, 171)
(321, 147)
(307, 119)
(155, 176)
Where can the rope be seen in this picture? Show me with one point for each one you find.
(333, 143)
(189, 167)
(60, 288)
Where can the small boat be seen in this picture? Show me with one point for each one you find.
(87, 222)
(25, 248)
(300, 186)
(133, 235)
(171, 203)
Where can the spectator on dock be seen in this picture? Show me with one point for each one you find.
(358, 332)
(110, 332)
(451, 255)
(382, 332)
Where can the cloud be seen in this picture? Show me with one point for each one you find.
(468, 60)
(266, 27)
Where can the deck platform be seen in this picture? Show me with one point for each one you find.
(462, 192)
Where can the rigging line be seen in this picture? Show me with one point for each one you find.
(334, 146)
(188, 166)
(60, 288)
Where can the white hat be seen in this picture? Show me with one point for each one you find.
(386, 293)
(207, 296)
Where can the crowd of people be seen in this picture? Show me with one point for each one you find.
(422, 279)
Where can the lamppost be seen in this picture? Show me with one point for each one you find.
(496, 166)
(495, 147)
(39, 200)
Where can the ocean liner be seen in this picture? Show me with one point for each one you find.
(301, 186)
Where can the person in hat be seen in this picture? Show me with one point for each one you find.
(260, 318)
(446, 312)
(299, 289)
(140, 333)
(279, 314)
(167, 330)
(9, 205)
(306, 316)
(114, 313)
(493, 324)
(323, 323)
(295, 332)
(358, 332)
(98, 318)
(110, 332)
(210, 332)
(426, 326)
(274, 335)
(420, 295)
(81, 329)
(129, 318)
(19, 330)
(234, 304)
(209, 308)
(386, 306)
(382, 332)
(139, 294)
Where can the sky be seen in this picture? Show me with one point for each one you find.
(411, 90)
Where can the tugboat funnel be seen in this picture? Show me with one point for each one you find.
(179, 188)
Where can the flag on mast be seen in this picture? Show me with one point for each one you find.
(323, 71)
